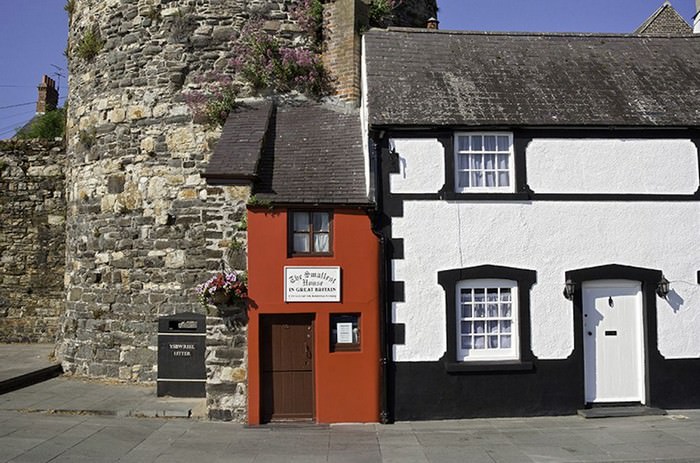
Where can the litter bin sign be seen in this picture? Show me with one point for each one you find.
(181, 346)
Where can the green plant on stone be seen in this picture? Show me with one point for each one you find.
(70, 9)
(381, 10)
(235, 245)
(90, 45)
(265, 64)
(182, 25)
(243, 225)
(87, 137)
(218, 108)
(309, 16)
(214, 100)
(48, 126)
(254, 201)
(153, 12)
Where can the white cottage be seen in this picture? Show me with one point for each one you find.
(539, 196)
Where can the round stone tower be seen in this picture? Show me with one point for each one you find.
(143, 227)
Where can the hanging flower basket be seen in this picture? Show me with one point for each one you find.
(224, 288)
(220, 297)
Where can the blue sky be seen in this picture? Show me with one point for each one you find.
(33, 35)
(553, 15)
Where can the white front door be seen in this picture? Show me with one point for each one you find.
(613, 341)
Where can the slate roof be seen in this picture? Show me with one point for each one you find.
(420, 78)
(313, 154)
(665, 20)
(238, 150)
(296, 153)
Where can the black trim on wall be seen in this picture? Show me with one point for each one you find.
(396, 245)
(398, 291)
(531, 196)
(448, 146)
(699, 277)
(449, 279)
(399, 333)
(387, 207)
(424, 391)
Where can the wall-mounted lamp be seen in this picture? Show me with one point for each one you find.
(569, 288)
(662, 287)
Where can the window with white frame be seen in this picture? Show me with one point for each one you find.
(484, 162)
(487, 320)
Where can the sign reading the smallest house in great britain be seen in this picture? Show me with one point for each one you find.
(312, 284)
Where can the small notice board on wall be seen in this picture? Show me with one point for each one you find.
(312, 284)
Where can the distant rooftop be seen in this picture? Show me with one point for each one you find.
(665, 20)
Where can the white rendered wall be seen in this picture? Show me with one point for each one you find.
(550, 238)
(421, 164)
(612, 166)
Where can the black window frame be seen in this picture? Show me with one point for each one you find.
(525, 279)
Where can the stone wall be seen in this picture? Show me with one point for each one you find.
(32, 239)
(143, 226)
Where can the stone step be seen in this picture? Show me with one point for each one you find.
(620, 411)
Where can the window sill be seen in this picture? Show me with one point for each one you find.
(484, 196)
(507, 365)
(310, 254)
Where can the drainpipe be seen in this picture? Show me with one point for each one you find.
(384, 304)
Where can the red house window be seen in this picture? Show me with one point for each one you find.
(310, 233)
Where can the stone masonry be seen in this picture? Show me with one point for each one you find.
(143, 228)
(32, 239)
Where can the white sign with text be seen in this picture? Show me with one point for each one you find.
(312, 284)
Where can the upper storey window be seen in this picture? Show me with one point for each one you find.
(484, 162)
(310, 233)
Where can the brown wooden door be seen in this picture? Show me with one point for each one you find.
(287, 345)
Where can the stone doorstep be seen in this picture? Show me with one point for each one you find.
(620, 412)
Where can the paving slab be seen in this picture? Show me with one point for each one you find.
(75, 396)
(71, 420)
(20, 359)
(37, 437)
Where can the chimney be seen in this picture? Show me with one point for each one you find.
(48, 95)
(342, 20)
(433, 23)
(696, 18)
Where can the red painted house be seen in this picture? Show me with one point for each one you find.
(313, 260)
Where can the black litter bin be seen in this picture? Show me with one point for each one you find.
(181, 349)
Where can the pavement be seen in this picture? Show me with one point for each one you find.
(25, 364)
(70, 420)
